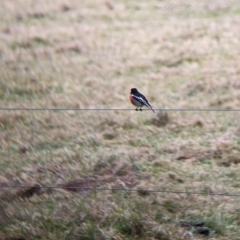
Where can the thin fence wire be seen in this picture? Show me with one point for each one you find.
(74, 188)
(223, 194)
(122, 109)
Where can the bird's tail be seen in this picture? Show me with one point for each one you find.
(150, 107)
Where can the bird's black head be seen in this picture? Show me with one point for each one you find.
(134, 90)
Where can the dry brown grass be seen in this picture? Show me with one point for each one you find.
(89, 54)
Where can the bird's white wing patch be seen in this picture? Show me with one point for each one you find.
(141, 100)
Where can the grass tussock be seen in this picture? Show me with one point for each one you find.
(180, 54)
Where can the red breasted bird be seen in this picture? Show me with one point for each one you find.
(139, 100)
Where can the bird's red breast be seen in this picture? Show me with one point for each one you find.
(134, 101)
(130, 98)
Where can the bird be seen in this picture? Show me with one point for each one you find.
(139, 100)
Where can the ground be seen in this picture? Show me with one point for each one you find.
(88, 55)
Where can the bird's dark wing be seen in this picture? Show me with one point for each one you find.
(141, 98)
(144, 98)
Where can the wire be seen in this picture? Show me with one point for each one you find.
(121, 109)
(123, 189)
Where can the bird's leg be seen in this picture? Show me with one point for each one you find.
(136, 109)
(140, 109)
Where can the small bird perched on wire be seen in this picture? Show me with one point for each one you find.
(139, 100)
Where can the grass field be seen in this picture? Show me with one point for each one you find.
(89, 54)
